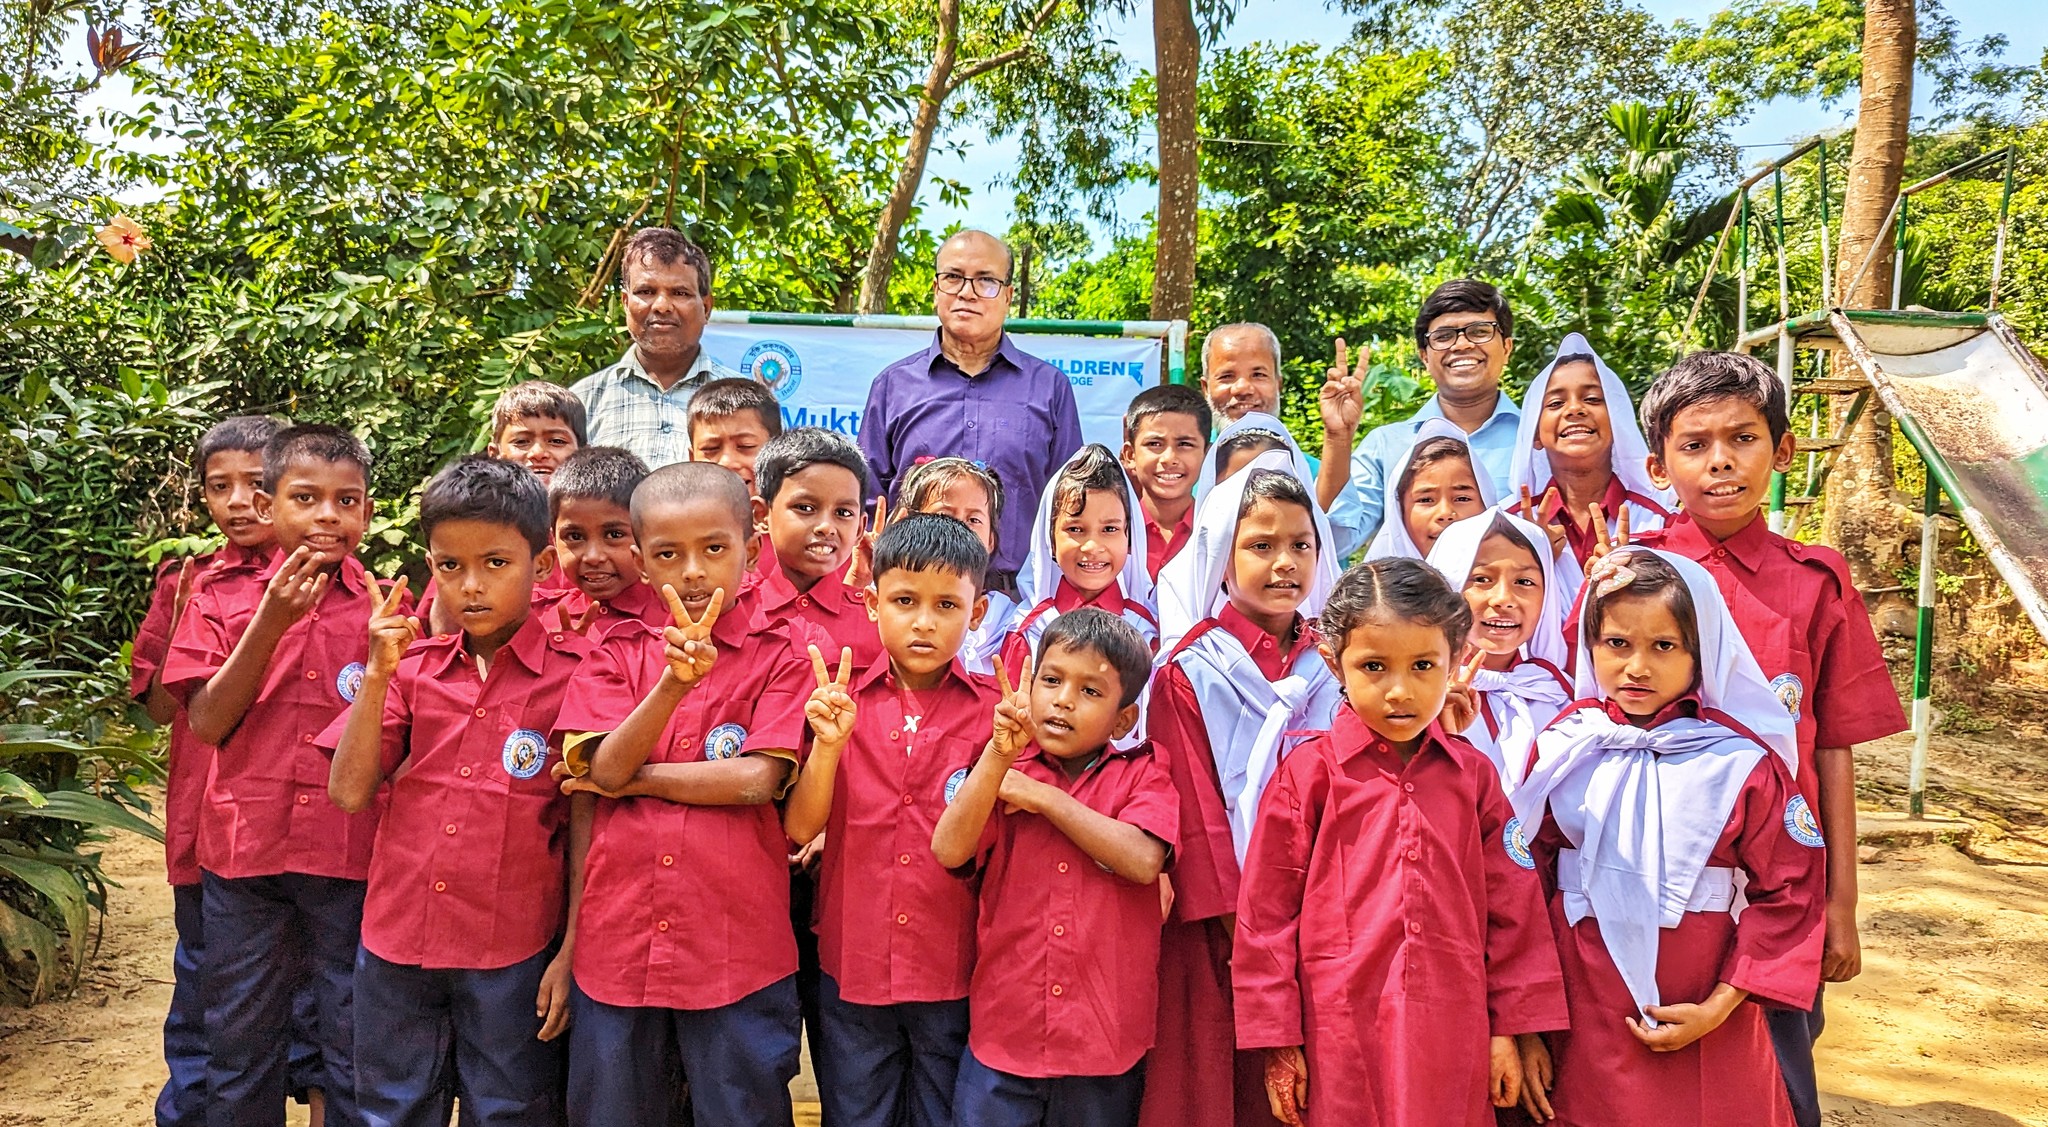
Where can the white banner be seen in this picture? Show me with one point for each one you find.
(821, 373)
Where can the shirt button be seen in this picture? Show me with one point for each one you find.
(1720, 553)
(667, 428)
(311, 675)
(482, 712)
(662, 926)
(1414, 928)
(668, 859)
(315, 616)
(464, 772)
(1414, 855)
(304, 799)
(970, 426)
(1058, 990)
(450, 828)
(1063, 866)
(307, 738)
(803, 600)
(906, 800)
(1409, 787)
(440, 886)
(903, 859)
(1059, 929)
(558, 637)
(902, 919)
(895, 735)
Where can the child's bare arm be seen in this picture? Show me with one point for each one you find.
(1681, 1025)
(358, 767)
(1835, 771)
(551, 1005)
(220, 704)
(748, 780)
(690, 652)
(1126, 850)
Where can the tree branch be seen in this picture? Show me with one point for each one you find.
(976, 69)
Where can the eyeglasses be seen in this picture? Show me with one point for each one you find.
(984, 286)
(1478, 332)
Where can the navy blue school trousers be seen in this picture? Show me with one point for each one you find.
(738, 1061)
(182, 1103)
(267, 939)
(888, 1066)
(985, 1097)
(1793, 1033)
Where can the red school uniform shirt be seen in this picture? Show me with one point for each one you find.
(1205, 874)
(1806, 624)
(1390, 921)
(1583, 538)
(1159, 549)
(1066, 979)
(1730, 1077)
(893, 926)
(469, 867)
(188, 760)
(266, 809)
(687, 907)
(1022, 641)
(831, 608)
(638, 604)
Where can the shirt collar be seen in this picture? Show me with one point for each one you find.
(629, 366)
(1749, 546)
(880, 670)
(776, 592)
(234, 557)
(1067, 597)
(1006, 352)
(1252, 636)
(1503, 408)
(1109, 751)
(527, 646)
(1353, 738)
(1685, 706)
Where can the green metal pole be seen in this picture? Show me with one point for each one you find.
(1742, 276)
(1923, 654)
(1776, 520)
(1899, 255)
(1998, 249)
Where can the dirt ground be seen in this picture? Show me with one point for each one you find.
(1946, 1027)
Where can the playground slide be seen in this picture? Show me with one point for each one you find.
(1974, 402)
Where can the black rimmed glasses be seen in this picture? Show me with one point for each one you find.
(984, 286)
(1478, 332)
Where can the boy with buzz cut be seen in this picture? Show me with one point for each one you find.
(730, 420)
(463, 989)
(810, 482)
(1166, 436)
(1069, 835)
(689, 734)
(229, 464)
(590, 505)
(892, 741)
(263, 668)
(1717, 429)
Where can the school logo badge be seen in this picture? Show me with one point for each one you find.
(776, 364)
(526, 751)
(724, 741)
(1790, 693)
(1801, 824)
(1517, 848)
(349, 681)
(953, 784)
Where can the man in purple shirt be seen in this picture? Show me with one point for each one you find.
(974, 394)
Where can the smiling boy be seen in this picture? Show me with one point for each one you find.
(590, 510)
(810, 483)
(1166, 435)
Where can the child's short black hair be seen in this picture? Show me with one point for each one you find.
(1442, 448)
(800, 448)
(722, 398)
(1273, 485)
(689, 481)
(1399, 588)
(319, 442)
(1094, 469)
(1707, 376)
(538, 399)
(246, 433)
(596, 473)
(922, 541)
(475, 487)
(1091, 630)
(1462, 295)
(1168, 399)
(1655, 578)
(1256, 440)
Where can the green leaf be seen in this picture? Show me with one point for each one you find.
(13, 785)
(62, 889)
(22, 937)
(86, 809)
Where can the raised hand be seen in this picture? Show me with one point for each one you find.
(830, 709)
(186, 575)
(1287, 1084)
(690, 651)
(1013, 714)
(390, 631)
(1342, 399)
(1461, 704)
(579, 625)
(861, 571)
(296, 588)
(1603, 543)
(1531, 510)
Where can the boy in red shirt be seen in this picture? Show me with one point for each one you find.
(466, 898)
(690, 733)
(1070, 836)
(895, 930)
(262, 668)
(538, 425)
(229, 462)
(730, 421)
(590, 508)
(1166, 436)
(1717, 429)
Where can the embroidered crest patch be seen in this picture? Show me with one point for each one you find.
(724, 741)
(1790, 693)
(1801, 824)
(1517, 848)
(526, 752)
(349, 681)
(954, 782)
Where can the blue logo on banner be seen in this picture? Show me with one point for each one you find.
(724, 741)
(349, 681)
(1084, 372)
(953, 782)
(1800, 823)
(774, 363)
(525, 751)
(1518, 849)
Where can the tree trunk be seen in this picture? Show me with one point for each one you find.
(931, 98)
(1864, 517)
(1177, 54)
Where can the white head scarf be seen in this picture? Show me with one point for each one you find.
(1392, 539)
(1646, 806)
(1040, 575)
(1522, 700)
(1298, 461)
(1630, 452)
(1191, 583)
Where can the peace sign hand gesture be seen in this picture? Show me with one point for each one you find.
(390, 632)
(862, 570)
(299, 585)
(1013, 714)
(1531, 510)
(580, 625)
(690, 651)
(1604, 544)
(1342, 399)
(830, 709)
(1461, 703)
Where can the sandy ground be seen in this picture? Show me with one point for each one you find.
(1946, 1027)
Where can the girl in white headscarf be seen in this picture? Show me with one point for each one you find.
(1688, 869)
(1439, 482)
(1579, 446)
(1503, 566)
(1237, 444)
(1086, 551)
(1241, 672)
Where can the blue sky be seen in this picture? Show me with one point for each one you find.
(1310, 21)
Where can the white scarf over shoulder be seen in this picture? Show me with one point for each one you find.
(1392, 539)
(1191, 583)
(1644, 807)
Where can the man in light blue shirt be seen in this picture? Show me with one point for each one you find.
(1465, 333)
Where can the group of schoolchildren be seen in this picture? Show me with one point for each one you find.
(1530, 816)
